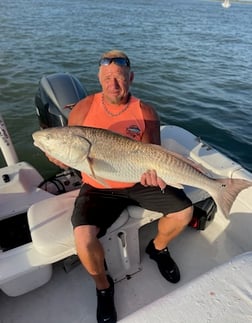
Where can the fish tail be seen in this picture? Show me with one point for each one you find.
(226, 195)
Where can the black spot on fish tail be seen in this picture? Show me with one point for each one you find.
(226, 195)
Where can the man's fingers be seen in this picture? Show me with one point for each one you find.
(150, 178)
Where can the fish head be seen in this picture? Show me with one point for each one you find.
(64, 144)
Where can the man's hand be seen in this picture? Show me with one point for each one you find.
(150, 178)
(56, 162)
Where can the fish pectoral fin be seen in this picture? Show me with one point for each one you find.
(96, 166)
(101, 165)
(100, 180)
(90, 164)
(176, 185)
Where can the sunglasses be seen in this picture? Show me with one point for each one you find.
(120, 61)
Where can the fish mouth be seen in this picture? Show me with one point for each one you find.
(36, 142)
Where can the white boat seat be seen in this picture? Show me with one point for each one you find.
(221, 295)
(52, 234)
(51, 229)
(18, 193)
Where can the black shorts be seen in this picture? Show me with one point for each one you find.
(102, 207)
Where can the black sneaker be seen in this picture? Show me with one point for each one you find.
(106, 312)
(166, 264)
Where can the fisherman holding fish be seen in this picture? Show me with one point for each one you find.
(100, 203)
(113, 138)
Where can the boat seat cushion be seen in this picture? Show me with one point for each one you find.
(220, 295)
(51, 229)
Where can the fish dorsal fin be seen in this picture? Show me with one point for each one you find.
(190, 162)
(184, 159)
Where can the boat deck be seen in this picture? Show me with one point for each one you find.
(70, 297)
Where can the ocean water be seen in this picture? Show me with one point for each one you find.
(192, 61)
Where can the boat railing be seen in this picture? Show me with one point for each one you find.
(6, 145)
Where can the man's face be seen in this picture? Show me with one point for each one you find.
(115, 82)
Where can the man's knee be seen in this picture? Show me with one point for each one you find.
(183, 217)
(85, 234)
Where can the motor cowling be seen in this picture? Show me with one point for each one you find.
(55, 97)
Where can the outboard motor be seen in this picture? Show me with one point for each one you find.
(56, 95)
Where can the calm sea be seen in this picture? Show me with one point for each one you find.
(192, 61)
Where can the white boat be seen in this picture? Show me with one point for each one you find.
(226, 4)
(41, 279)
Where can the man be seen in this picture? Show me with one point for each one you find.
(97, 207)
